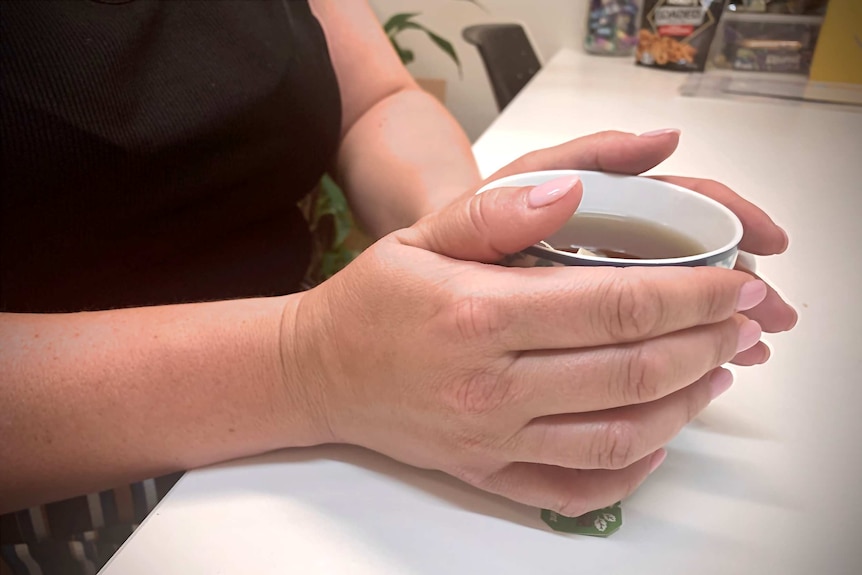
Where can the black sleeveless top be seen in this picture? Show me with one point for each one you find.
(154, 151)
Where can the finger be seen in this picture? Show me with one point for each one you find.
(485, 227)
(618, 152)
(753, 356)
(760, 236)
(570, 492)
(560, 308)
(613, 376)
(617, 438)
(773, 313)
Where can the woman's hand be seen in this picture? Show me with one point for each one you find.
(555, 387)
(625, 153)
(761, 237)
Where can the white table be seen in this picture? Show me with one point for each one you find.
(765, 481)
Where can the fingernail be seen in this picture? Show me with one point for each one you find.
(794, 319)
(767, 353)
(786, 239)
(749, 334)
(661, 132)
(657, 459)
(750, 294)
(551, 191)
(719, 382)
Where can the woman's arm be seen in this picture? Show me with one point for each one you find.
(91, 400)
(436, 361)
(402, 154)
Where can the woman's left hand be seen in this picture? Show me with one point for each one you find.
(761, 237)
(625, 153)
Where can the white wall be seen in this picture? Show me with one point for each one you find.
(551, 25)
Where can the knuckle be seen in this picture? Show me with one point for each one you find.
(630, 308)
(641, 378)
(615, 445)
(477, 209)
(471, 444)
(479, 393)
(476, 318)
(714, 301)
(480, 210)
(572, 505)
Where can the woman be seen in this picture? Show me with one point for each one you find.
(153, 154)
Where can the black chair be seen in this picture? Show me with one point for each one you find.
(508, 56)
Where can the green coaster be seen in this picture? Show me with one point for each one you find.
(598, 523)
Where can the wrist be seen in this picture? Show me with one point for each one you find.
(304, 382)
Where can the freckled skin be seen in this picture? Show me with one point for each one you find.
(134, 393)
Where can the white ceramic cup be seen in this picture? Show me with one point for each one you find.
(701, 218)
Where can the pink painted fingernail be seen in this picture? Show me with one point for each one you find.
(551, 191)
(719, 382)
(794, 319)
(662, 132)
(786, 239)
(657, 458)
(767, 353)
(750, 294)
(749, 334)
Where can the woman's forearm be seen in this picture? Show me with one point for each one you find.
(91, 400)
(404, 158)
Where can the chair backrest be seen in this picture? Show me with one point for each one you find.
(508, 56)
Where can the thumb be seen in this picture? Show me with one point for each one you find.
(496, 223)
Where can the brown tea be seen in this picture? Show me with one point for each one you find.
(623, 237)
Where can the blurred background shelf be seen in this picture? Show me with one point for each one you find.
(788, 87)
(770, 18)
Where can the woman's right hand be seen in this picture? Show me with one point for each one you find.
(555, 387)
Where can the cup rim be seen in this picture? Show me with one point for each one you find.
(544, 174)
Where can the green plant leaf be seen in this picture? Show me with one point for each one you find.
(396, 22)
(443, 43)
(332, 202)
(447, 47)
(404, 54)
